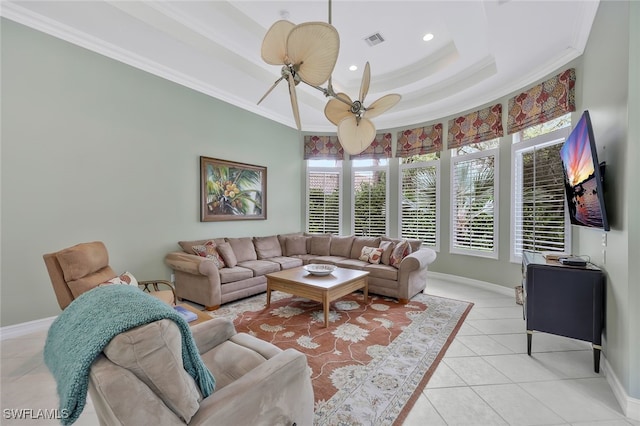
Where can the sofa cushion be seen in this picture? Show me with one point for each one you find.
(243, 248)
(360, 242)
(332, 260)
(83, 259)
(236, 273)
(371, 254)
(209, 250)
(387, 247)
(320, 245)
(351, 264)
(226, 251)
(260, 267)
(153, 352)
(295, 245)
(286, 262)
(400, 251)
(341, 246)
(267, 247)
(382, 271)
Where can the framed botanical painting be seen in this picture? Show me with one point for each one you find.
(232, 191)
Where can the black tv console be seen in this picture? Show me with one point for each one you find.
(563, 300)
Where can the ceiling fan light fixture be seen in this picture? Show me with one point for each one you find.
(353, 68)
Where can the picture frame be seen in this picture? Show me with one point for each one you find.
(232, 191)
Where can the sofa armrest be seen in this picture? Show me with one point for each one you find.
(418, 260)
(190, 263)
(212, 333)
(276, 392)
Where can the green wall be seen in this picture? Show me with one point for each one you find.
(93, 149)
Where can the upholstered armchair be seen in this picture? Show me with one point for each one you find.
(256, 382)
(80, 268)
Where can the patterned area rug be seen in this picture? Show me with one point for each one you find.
(370, 364)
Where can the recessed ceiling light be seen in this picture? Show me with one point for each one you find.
(353, 68)
(428, 37)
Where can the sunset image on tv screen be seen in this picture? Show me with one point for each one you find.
(580, 178)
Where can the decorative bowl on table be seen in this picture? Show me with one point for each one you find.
(319, 269)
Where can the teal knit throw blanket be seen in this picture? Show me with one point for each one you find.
(80, 333)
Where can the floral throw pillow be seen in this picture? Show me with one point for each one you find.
(371, 254)
(400, 251)
(127, 279)
(210, 251)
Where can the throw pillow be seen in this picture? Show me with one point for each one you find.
(227, 254)
(295, 246)
(127, 279)
(400, 251)
(387, 247)
(371, 254)
(210, 251)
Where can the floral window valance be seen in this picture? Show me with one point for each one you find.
(323, 148)
(379, 148)
(546, 101)
(423, 140)
(478, 126)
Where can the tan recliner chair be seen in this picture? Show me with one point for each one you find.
(256, 382)
(84, 266)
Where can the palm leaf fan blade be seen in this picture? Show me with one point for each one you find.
(294, 101)
(335, 110)
(274, 44)
(366, 79)
(270, 89)
(312, 48)
(355, 136)
(383, 104)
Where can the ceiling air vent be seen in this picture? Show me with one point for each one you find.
(374, 39)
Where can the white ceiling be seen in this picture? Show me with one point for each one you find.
(482, 50)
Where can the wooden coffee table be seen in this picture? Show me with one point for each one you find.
(324, 289)
(202, 316)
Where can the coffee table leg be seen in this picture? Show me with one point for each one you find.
(325, 306)
(366, 290)
(268, 295)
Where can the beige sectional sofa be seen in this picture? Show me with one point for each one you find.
(238, 266)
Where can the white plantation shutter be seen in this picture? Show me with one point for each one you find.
(539, 200)
(323, 201)
(474, 204)
(369, 213)
(419, 202)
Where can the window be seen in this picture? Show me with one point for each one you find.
(420, 199)
(324, 192)
(538, 215)
(474, 199)
(369, 182)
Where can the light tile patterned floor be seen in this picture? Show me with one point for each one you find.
(485, 378)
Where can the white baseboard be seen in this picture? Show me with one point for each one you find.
(507, 291)
(630, 406)
(25, 328)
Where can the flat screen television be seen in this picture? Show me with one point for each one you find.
(583, 177)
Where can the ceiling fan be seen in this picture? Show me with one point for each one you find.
(308, 53)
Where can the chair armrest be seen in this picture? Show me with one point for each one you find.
(211, 333)
(276, 392)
